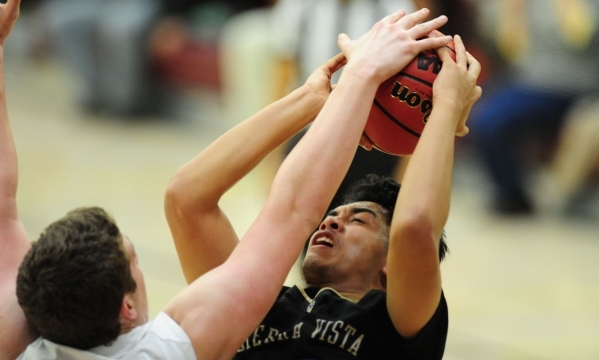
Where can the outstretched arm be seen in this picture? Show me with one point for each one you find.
(203, 235)
(413, 272)
(14, 332)
(246, 285)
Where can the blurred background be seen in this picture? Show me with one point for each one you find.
(108, 98)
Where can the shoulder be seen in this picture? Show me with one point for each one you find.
(161, 338)
(164, 328)
(164, 338)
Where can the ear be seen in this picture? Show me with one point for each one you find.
(128, 313)
(383, 277)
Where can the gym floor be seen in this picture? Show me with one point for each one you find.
(517, 288)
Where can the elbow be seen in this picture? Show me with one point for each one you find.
(177, 199)
(173, 194)
(416, 234)
(188, 196)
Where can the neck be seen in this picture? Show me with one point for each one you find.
(125, 328)
(348, 289)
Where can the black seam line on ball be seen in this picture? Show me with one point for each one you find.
(392, 118)
(417, 79)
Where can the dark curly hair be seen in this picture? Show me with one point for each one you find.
(72, 281)
(382, 190)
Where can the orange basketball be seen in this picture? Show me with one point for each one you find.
(402, 105)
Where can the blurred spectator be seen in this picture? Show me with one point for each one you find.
(103, 43)
(553, 52)
(574, 171)
(120, 50)
(184, 44)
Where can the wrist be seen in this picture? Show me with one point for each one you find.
(448, 107)
(309, 99)
(363, 71)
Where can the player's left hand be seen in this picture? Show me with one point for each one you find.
(457, 81)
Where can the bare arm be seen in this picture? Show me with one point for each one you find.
(413, 273)
(14, 332)
(246, 285)
(202, 233)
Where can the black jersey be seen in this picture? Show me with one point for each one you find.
(315, 324)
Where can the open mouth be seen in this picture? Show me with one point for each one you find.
(323, 240)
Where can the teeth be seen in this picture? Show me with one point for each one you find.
(324, 240)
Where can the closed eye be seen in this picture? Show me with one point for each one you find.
(358, 220)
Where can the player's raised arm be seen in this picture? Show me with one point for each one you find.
(413, 273)
(244, 288)
(202, 233)
(15, 334)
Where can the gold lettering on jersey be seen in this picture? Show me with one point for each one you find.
(282, 336)
(245, 346)
(256, 342)
(333, 340)
(348, 331)
(297, 331)
(334, 332)
(319, 328)
(356, 345)
(271, 334)
(325, 330)
(319, 323)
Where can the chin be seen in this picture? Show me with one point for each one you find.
(313, 270)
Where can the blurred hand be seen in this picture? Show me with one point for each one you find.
(391, 44)
(9, 13)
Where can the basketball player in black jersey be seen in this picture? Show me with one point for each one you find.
(373, 273)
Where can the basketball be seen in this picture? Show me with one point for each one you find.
(402, 105)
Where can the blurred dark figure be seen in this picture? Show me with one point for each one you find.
(464, 20)
(552, 50)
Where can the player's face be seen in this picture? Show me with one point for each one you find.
(140, 296)
(349, 245)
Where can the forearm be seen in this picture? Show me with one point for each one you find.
(414, 278)
(8, 155)
(238, 151)
(426, 187)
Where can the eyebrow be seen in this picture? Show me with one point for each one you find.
(355, 210)
(358, 210)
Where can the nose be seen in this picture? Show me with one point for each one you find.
(331, 223)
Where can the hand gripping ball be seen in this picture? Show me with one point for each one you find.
(402, 105)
